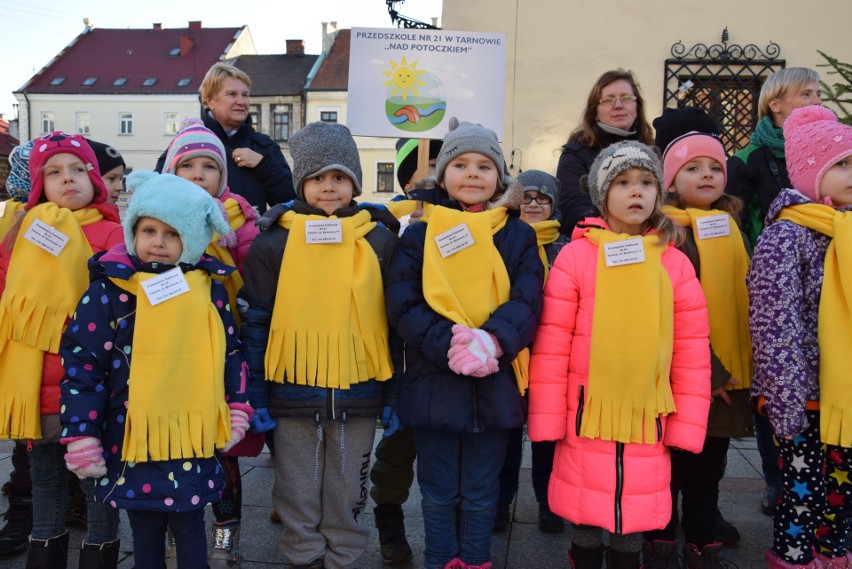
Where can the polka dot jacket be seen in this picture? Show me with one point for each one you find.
(96, 354)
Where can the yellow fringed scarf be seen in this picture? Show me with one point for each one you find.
(233, 282)
(41, 293)
(724, 264)
(447, 284)
(176, 404)
(402, 208)
(835, 318)
(329, 327)
(631, 346)
(546, 232)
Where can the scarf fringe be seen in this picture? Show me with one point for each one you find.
(31, 322)
(835, 425)
(156, 437)
(327, 359)
(21, 418)
(620, 420)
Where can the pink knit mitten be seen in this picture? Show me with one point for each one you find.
(239, 425)
(85, 457)
(473, 352)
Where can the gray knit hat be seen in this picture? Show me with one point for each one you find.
(615, 159)
(543, 183)
(323, 146)
(469, 137)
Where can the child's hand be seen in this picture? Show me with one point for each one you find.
(390, 421)
(722, 392)
(473, 352)
(261, 421)
(239, 426)
(85, 457)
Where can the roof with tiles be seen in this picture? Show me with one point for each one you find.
(333, 74)
(135, 61)
(279, 74)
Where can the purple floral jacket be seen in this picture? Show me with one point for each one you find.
(784, 284)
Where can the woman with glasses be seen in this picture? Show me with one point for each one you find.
(615, 111)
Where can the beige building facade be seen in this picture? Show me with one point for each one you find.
(557, 49)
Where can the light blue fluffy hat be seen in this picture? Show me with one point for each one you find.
(194, 213)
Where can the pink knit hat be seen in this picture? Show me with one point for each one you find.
(814, 141)
(687, 147)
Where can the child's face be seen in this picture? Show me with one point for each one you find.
(630, 201)
(201, 171)
(430, 172)
(807, 94)
(532, 211)
(157, 242)
(471, 178)
(112, 181)
(836, 183)
(67, 182)
(328, 191)
(699, 183)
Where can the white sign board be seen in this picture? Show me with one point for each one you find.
(407, 83)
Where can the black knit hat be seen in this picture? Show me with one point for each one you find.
(675, 122)
(406, 157)
(108, 157)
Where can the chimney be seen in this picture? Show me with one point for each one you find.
(195, 26)
(185, 42)
(158, 27)
(295, 47)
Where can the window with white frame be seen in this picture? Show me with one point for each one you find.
(384, 177)
(328, 116)
(171, 121)
(83, 123)
(125, 123)
(280, 125)
(48, 121)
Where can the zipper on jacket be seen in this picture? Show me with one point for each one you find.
(619, 483)
(659, 429)
(581, 404)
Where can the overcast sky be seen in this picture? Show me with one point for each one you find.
(34, 32)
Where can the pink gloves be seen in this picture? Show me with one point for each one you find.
(240, 417)
(84, 457)
(473, 352)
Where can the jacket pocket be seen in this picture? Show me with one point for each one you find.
(581, 403)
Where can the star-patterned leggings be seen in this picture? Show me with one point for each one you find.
(815, 507)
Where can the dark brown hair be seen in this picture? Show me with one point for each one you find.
(587, 133)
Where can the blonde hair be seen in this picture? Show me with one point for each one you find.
(781, 84)
(214, 78)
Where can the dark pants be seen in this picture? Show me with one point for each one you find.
(393, 472)
(696, 477)
(768, 456)
(149, 538)
(542, 465)
(230, 507)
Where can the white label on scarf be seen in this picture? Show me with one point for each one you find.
(46, 237)
(713, 226)
(454, 240)
(2, 209)
(324, 231)
(164, 286)
(625, 252)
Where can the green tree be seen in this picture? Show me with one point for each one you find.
(840, 92)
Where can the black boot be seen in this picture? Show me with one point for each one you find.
(105, 556)
(622, 559)
(78, 509)
(391, 525)
(586, 558)
(708, 558)
(49, 553)
(15, 535)
(661, 554)
(724, 531)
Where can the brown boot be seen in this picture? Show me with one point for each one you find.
(391, 525)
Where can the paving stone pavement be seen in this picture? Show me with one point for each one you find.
(523, 546)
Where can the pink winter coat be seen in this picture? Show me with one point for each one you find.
(622, 488)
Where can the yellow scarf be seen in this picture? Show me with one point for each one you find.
(41, 293)
(329, 327)
(447, 284)
(546, 232)
(724, 264)
(402, 208)
(835, 318)
(8, 219)
(632, 340)
(233, 282)
(176, 404)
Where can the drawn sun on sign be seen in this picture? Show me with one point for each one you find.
(404, 78)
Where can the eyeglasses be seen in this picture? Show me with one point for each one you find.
(539, 199)
(610, 101)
